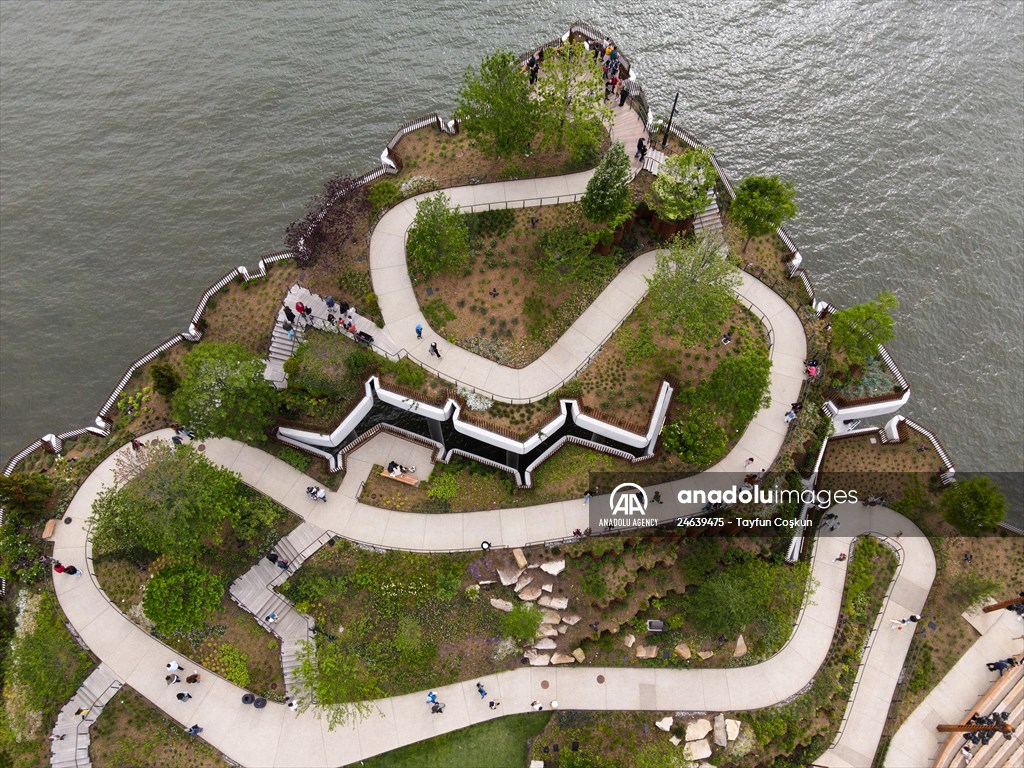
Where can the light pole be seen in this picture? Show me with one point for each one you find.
(664, 139)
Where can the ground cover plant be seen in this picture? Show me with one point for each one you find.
(169, 538)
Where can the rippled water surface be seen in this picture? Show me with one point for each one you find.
(147, 148)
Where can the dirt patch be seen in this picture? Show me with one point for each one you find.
(243, 312)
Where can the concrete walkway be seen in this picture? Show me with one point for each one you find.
(277, 737)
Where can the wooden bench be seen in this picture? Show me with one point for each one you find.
(402, 478)
(49, 528)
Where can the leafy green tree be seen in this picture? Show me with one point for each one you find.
(697, 439)
(859, 329)
(607, 196)
(973, 505)
(165, 379)
(567, 255)
(496, 106)
(24, 495)
(438, 239)
(762, 204)
(181, 598)
(571, 93)
(683, 185)
(522, 622)
(739, 386)
(224, 394)
(335, 682)
(691, 290)
(171, 502)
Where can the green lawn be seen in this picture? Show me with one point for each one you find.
(495, 744)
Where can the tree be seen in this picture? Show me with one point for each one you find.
(24, 495)
(567, 255)
(438, 238)
(573, 111)
(739, 386)
(691, 290)
(973, 505)
(697, 439)
(683, 186)
(165, 379)
(169, 502)
(496, 106)
(859, 329)
(521, 623)
(224, 394)
(607, 195)
(180, 598)
(762, 204)
(335, 682)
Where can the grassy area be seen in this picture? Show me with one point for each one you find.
(501, 743)
(130, 732)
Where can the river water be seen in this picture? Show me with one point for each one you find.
(146, 148)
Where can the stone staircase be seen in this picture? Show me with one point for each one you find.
(281, 348)
(73, 750)
(710, 220)
(255, 592)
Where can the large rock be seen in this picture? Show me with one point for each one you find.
(524, 581)
(520, 557)
(697, 750)
(530, 594)
(562, 658)
(732, 729)
(547, 588)
(547, 644)
(550, 617)
(571, 619)
(665, 724)
(705, 655)
(720, 736)
(647, 651)
(683, 651)
(741, 647)
(562, 628)
(556, 603)
(698, 729)
(546, 630)
(509, 576)
(501, 605)
(628, 641)
(579, 655)
(537, 659)
(554, 568)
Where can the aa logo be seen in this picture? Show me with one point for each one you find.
(629, 499)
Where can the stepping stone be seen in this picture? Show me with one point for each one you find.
(647, 651)
(557, 603)
(579, 655)
(550, 617)
(697, 750)
(675, 741)
(547, 644)
(530, 594)
(705, 655)
(665, 724)
(540, 660)
(721, 739)
(571, 619)
(509, 576)
(501, 605)
(524, 581)
(562, 628)
(546, 630)
(741, 648)
(683, 651)
(628, 641)
(698, 730)
(548, 588)
(732, 729)
(520, 557)
(562, 658)
(554, 568)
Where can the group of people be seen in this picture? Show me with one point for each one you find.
(316, 493)
(976, 738)
(395, 469)
(533, 65)
(339, 313)
(437, 707)
(173, 678)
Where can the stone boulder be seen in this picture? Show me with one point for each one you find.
(697, 750)
(524, 581)
(579, 655)
(741, 647)
(520, 557)
(720, 736)
(509, 576)
(549, 617)
(683, 651)
(501, 605)
(554, 568)
(555, 603)
(530, 594)
(547, 588)
(647, 651)
(562, 628)
(628, 641)
(562, 658)
(665, 724)
(537, 659)
(547, 644)
(546, 630)
(571, 619)
(698, 729)
(732, 729)
(705, 655)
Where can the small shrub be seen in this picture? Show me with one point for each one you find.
(165, 379)
(234, 665)
(295, 458)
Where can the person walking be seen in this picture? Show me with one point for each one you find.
(172, 679)
(641, 149)
(997, 666)
(434, 350)
(536, 705)
(437, 708)
(289, 315)
(195, 730)
(481, 691)
(623, 92)
(192, 679)
(82, 712)
(183, 697)
(494, 704)
(419, 331)
(173, 666)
